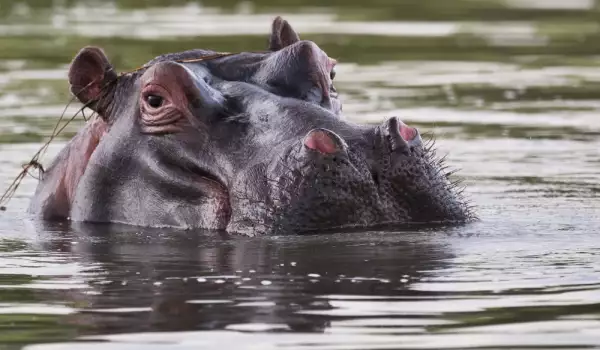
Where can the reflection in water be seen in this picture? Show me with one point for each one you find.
(510, 89)
(150, 280)
(438, 288)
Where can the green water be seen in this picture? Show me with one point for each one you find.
(511, 89)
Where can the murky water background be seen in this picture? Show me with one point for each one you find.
(510, 88)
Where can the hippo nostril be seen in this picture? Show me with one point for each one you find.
(400, 136)
(407, 133)
(324, 141)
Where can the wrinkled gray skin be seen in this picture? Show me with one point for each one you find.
(252, 143)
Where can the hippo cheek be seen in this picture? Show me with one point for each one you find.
(176, 99)
(61, 179)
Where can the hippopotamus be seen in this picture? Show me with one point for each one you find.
(250, 143)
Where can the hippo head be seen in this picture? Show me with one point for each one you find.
(250, 142)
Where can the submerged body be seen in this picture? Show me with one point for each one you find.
(251, 143)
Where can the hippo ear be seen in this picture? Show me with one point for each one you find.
(282, 35)
(89, 75)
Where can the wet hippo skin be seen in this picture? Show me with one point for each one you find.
(252, 143)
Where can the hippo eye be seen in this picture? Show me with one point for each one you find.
(332, 73)
(154, 101)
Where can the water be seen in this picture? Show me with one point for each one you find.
(510, 88)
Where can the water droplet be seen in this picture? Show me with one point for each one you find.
(201, 280)
(266, 283)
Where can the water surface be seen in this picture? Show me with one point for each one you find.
(511, 89)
